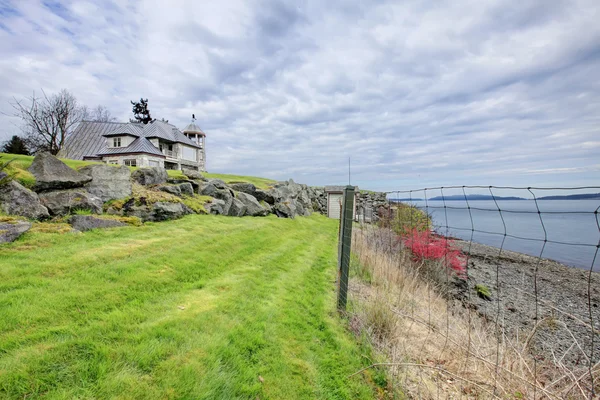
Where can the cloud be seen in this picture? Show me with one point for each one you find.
(417, 94)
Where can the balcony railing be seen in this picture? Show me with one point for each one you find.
(170, 153)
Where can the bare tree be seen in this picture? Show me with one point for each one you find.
(98, 114)
(48, 120)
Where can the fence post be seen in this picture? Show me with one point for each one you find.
(345, 243)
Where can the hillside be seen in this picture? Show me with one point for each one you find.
(205, 307)
(20, 163)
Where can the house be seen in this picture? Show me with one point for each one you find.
(335, 196)
(156, 144)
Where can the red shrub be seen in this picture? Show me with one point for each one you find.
(425, 246)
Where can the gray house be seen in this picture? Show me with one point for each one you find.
(156, 144)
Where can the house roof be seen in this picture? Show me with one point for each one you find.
(193, 128)
(337, 189)
(89, 138)
(126, 129)
(139, 145)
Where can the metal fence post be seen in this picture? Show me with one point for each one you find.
(345, 243)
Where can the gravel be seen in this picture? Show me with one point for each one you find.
(557, 326)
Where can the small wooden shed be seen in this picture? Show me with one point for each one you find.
(334, 200)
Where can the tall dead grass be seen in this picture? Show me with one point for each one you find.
(434, 346)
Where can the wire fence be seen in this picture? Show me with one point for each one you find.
(478, 291)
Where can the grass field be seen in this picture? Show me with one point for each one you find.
(20, 163)
(205, 307)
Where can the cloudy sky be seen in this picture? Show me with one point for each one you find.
(416, 93)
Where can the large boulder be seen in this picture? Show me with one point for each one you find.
(86, 222)
(150, 176)
(244, 187)
(10, 231)
(65, 202)
(166, 211)
(237, 209)
(253, 207)
(172, 189)
(218, 183)
(284, 210)
(186, 188)
(207, 189)
(15, 199)
(109, 182)
(193, 174)
(264, 195)
(215, 207)
(52, 174)
(291, 199)
(195, 185)
(227, 197)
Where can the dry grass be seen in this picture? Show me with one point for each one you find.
(437, 349)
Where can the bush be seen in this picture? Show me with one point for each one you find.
(427, 247)
(404, 218)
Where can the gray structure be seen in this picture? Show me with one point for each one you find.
(334, 200)
(156, 144)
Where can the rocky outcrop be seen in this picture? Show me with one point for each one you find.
(218, 183)
(52, 174)
(150, 176)
(67, 201)
(109, 182)
(10, 231)
(15, 199)
(370, 204)
(87, 222)
(207, 189)
(186, 189)
(253, 207)
(291, 199)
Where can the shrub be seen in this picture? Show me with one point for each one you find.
(427, 247)
(404, 218)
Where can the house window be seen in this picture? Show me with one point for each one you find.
(130, 163)
(117, 142)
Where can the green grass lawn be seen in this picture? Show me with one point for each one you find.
(20, 163)
(204, 307)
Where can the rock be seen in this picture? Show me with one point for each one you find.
(9, 232)
(218, 183)
(263, 195)
(86, 222)
(142, 212)
(253, 207)
(267, 207)
(244, 187)
(150, 176)
(284, 210)
(237, 209)
(195, 185)
(207, 190)
(15, 199)
(109, 182)
(66, 201)
(186, 189)
(192, 174)
(167, 211)
(172, 189)
(227, 197)
(52, 174)
(215, 207)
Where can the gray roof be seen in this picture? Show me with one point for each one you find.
(166, 131)
(193, 128)
(139, 145)
(126, 129)
(88, 139)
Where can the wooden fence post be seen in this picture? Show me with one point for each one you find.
(345, 244)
